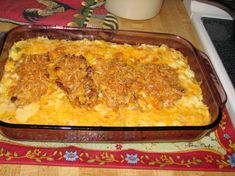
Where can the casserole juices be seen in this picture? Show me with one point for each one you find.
(67, 84)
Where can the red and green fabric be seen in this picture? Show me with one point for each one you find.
(79, 13)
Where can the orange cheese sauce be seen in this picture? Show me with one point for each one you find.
(55, 108)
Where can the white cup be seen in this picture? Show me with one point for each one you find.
(134, 9)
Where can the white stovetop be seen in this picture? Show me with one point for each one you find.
(196, 10)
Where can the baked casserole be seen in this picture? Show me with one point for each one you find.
(99, 83)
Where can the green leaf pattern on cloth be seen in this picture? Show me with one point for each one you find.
(93, 14)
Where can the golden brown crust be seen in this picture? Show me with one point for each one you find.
(33, 79)
(115, 79)
(161, 84)
(74, 78)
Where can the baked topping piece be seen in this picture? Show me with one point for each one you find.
(161, 85)
(115, 79)
(74, 77)
(32, 80)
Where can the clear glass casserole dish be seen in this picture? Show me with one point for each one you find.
(213, 93)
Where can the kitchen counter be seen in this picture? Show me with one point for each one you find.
(172, 19)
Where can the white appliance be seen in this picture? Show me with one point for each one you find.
(196, 10)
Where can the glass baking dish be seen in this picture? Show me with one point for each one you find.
(214, 95)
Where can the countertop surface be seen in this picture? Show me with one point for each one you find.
(171, 19)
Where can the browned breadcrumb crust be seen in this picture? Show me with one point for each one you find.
(161, 84)
(33, 79)
(115, 82)
(115, 79)
(74, 78)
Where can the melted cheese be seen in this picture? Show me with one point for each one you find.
(55, 108)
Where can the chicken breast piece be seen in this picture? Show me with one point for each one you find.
(33, 79)
(161, 84)
(74, 77)
(115, 79)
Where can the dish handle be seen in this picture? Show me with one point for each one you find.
(213, 79)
